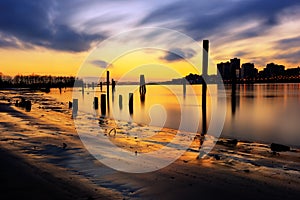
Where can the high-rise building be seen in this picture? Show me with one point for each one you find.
(236, 67)
(248, 71)
(224, 70)
(273, 70)
(229, 69)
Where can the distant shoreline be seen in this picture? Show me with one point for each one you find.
(151, 83)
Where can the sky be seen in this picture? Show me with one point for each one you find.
(59, 37)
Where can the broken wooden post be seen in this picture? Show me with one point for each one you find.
(142, 85)
(70, 104)
(28, 106)
(100, 86)
(120, 102)
(96, 103)
(103, 104)
(184, 86)
(131, 103)
(75, 107)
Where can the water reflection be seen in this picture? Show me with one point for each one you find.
(250, 115)
(120, 102)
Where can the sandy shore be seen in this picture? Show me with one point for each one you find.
(45, 140)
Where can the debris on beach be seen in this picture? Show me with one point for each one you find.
(279, 147)
(228, 142)
(64, 145)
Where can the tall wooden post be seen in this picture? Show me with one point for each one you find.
(107, 84)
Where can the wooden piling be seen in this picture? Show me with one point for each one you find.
(204, 85)
(75, 107)
(28, 106)
(100, 86)
(184, 86)
(70, 104)
(120, 102)
(131, 103)
(103, 104)
(142, 84)
(107, 84)
(96, 103)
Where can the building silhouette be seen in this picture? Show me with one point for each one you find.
(224, 70)
(248, 71)
(272, 70)
(229, 70)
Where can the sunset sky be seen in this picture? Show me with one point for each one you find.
(56, 37)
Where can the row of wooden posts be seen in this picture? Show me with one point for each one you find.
(103, 101)
(104, 98)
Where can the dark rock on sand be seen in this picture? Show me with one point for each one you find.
(279, 147)
(64, 145)
(228, 142)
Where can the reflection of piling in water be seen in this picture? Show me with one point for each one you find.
(103, 104)
(142, 85)
(131, 103)
(204, 85)
(82, 88)
(93, 85)
(235, 101)
(142, 98)
(113, 85)
(233, 104)
(120, 102)
(184, 86)
(75, 107)
(96, 103)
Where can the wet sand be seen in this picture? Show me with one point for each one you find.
(246, 171)
(21, 180)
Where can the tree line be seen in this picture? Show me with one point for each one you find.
(37, 81)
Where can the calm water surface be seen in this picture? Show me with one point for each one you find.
(261, 112)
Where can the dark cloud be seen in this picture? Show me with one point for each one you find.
(290, 57)
(204, 18)
(176, 54)
(288, 43)
(100, 63)
(241, 53)
(35, 23)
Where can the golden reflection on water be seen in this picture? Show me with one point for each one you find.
(262, 112)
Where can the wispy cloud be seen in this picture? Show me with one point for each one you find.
(176, 54)
(100, 63)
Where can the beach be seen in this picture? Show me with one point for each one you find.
(44, 146)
